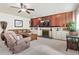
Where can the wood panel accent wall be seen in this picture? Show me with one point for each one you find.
(61, 19)
(57, 20)
(35, 22)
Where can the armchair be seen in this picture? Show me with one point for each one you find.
(16, 43)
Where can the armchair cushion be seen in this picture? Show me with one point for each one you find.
(12, 38)
(15, 36)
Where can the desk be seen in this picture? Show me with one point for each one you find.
(72, 42)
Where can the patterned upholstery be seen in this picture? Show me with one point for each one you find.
(16, 43)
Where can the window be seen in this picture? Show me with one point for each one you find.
(77, 22)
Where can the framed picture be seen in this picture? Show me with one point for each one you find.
(18, 23)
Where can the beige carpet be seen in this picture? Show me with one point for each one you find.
(51, 46)
(57, 45)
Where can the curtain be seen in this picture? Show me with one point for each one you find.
(77, 21)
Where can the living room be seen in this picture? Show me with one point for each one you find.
(44, 25)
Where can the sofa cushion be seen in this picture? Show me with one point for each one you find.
(20, 31)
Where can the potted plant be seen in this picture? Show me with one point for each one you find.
(71, 27)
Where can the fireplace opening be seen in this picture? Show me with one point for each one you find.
(45, 33)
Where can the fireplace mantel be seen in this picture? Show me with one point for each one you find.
(47, 28)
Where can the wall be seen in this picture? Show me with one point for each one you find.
(10, 20)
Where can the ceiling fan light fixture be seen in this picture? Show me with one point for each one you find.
(23, 10)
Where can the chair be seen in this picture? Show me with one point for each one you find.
(16, 43)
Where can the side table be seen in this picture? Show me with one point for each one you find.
(72, 42)
(33, 37)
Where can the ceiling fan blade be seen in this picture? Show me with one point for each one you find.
(31, 9)
(19, 11)
(21, 5)
(28, 12)
(15, 7)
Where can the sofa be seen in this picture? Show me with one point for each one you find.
(23, 32)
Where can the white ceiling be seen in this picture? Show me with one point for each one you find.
(41, 9)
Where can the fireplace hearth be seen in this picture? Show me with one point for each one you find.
(45, 33)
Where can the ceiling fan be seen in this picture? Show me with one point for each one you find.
(24, 8)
